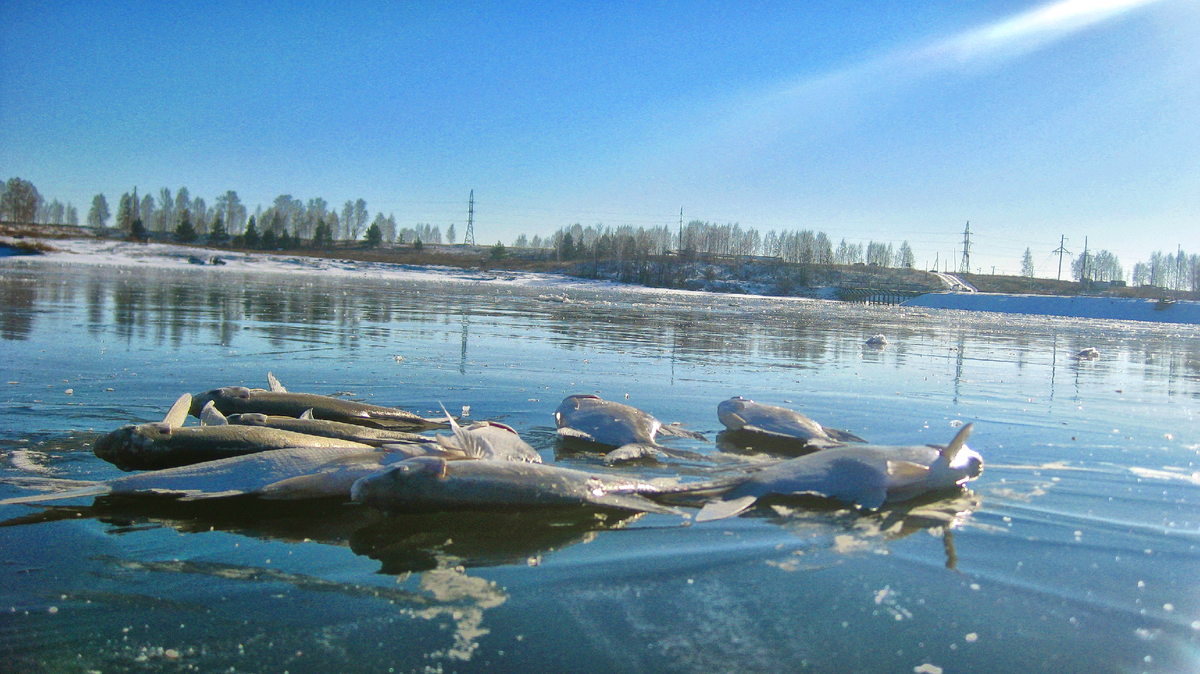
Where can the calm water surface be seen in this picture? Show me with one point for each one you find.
(1076, 551)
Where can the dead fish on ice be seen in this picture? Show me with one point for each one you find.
(866, 475)
(487, 440)
(306, 424)
(432, 483)
(280, 402)
(630, 430)
(293, 473)
(167, 443)
(747, 416)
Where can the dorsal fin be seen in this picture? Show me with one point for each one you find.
(472, 445)
(211, 416)
(959, 441)
(274, 384)
(307, 414)
(179, 411)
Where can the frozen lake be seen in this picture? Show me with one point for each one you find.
(1076, 550)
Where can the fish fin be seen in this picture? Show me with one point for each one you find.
(719, 510)
(680, 432)
(959, 441)
(907, 470)
(307, 414)
(274, 384)
(568, 432)
(179, 411)
(95, 490)
(842, 436)
(632, 451)
(211, 416)
(474, 446)
(634, 502)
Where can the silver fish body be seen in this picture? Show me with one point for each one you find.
(291, 474)
(740, 414)
(864, 475)
(159, 445)
(241, 400)
(432, 483)
(328, 429)
(604, 422)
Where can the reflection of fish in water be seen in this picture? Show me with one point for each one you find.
(746, 416)
(168, 443)
(630, 430)
(280, 402)
(867, 475)
(431, 483)
(293, 473)
(407, 542)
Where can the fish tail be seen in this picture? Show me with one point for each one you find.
(95, 490)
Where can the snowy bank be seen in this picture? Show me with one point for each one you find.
(1116, 308)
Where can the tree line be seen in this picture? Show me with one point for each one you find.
(701, 238)
(293, 222)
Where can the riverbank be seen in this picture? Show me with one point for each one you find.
(755, 276)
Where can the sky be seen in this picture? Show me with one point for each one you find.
(870, 121)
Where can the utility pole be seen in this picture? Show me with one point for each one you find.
(965, 267)
(469, 237)
(1061, 250)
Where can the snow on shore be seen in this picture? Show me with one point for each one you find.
(110, 253)
(1117, 308)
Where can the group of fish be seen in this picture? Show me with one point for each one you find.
(276, 444)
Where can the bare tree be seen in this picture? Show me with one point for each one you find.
(20, 201)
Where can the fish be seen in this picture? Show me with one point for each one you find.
(432, 483)
(231, 400)
(866, 475)
(281, 474)
(306, 424)
(632, 431)
(487, 440)
(168, 444)
(741, 415)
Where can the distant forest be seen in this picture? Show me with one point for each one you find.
(293, 223)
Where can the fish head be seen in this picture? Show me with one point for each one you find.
(409, 481)
(221, 398)
(729, 412)
(130, 442)
(572, 403)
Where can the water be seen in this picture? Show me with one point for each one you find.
(1075, 550)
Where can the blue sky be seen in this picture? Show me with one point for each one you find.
(884, 121)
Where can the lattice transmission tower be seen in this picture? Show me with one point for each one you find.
(965, 266)
(469, 237)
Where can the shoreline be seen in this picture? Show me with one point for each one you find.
(111, 252)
